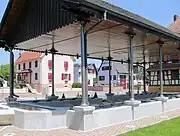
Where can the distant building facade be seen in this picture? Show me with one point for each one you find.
(36, 69)
(119, 74)
(91, 74)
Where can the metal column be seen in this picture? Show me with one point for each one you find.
(110, 77)
(84, 66)
(109, 59)
(131, 38)
(11, 73)
(144, 72)
(161, 70)
(129, 77)
(53, 51)
(53, 34)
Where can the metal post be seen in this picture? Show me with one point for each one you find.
(131, 66)
(109, 59)
(53, 51)
(84, 66)
(129, 76)
(11, 74)
(161, 70)
(144, 72)
(53, 34)
(110, 77)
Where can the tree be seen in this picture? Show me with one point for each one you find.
(5, 72)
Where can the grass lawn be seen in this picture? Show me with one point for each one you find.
(167, 128)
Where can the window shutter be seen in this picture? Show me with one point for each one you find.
(65, 65)
(62, 77)
(50, 63)
(49, 76)
(69, 76)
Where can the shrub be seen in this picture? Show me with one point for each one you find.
(76, 85)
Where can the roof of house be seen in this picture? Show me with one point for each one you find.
(175, 26)
(25, 56)
(166, 66)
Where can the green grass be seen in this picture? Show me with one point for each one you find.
(167, 128)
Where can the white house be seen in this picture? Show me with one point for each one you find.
(91, 74)
(36, 69)
(119, 74)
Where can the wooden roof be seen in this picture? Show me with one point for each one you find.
(27, 19)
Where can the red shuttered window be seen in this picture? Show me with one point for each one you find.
(62, 76)
(69, 77)
(65, 65)
(50, 63)
(49, 76)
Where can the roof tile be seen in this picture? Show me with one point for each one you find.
(175, 26)
(25, 56)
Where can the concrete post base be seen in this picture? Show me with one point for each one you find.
(109, 96)
(52, 98)
(162, 99)
(133, 103)
(10, 99)
(83, 118)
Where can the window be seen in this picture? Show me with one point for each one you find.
(135, 68)
(19, 66)
(114, 77)
(36, 76)
(175, 61)
(101, 78)
(174, 74)
(49, 76)
(36, 64)
(24, 65)
(164, 75)
(122, 77)
(65, 76)
(65, 65)
(106, 68)
(29, 64)
(50, 64)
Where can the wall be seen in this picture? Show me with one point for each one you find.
(33, 69)
(59, 69)
(90, 120)
(105, 117)
(106, 74)
(165, 88)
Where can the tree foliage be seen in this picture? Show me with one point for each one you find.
(5, 72)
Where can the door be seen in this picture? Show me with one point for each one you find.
(123, 81)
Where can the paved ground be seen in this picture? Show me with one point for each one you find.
(106, 131)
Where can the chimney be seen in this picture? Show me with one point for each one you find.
(175, 17)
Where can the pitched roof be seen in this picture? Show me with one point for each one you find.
(25, 56)
(23, 29)
(175, 26)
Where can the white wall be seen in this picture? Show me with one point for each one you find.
(106, 74)
(105, 117)
(33, 69)
(59, 69)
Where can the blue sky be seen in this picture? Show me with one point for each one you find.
(159, 11)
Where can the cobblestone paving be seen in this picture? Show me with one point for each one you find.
(106, 131)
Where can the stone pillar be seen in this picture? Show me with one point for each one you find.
(83, 118)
